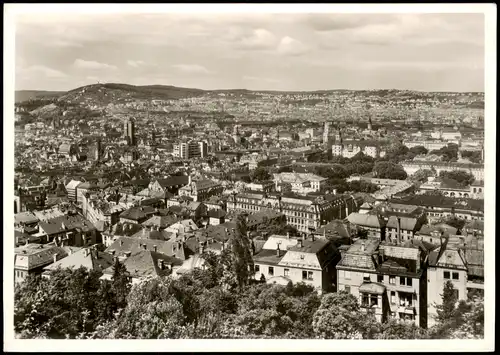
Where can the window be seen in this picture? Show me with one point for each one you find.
(455, 276)
(393, 297)
(373, 300)
(304, 275)
(446, 275)
(366, 277)
(348, 275)
(365, 300)
(347, 288)
(380, 278)
(286, 272)
(392, 280)
(271, 270)
(310, 275)
(257, 268)
(409, 281)
(402, 281)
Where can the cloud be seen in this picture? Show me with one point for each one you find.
(192, 68)
(41, 70)
(135, 63)
(291, 46)
(335, 22)
(259, 39)
(89, 64)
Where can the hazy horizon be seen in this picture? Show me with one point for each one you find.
(259, 52)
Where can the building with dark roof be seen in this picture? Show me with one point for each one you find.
(32, 258)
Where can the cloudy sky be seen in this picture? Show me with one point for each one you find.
(434, 52)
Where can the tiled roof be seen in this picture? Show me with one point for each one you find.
(145, 263)
(406, 223)
(86, 257)
(25, 217)
(365, 220)
(32, 256)
(409, 252)
(173, 181)
(127, 244)
(161, 221)
(268, 257)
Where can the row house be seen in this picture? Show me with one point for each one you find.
(68, 231)
(412, 166)
(302, 212)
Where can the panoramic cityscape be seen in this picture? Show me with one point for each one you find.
(249, 176)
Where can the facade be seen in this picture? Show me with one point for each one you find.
(349, 149)
(311, 261)
(427, 144)
(191, 149)
(201, 190)
(389, 280)
(129, 132)
(300, 183)
(301, 212)
(32, 258)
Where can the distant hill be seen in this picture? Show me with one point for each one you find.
(23, 95)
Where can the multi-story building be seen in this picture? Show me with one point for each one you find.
(348, 149)
(32, 258)
(427, 144)
(388, 279)
(459, 260)
(201, 190)
(311, 261)
(299, 183)
(191, 149)
(302, 212)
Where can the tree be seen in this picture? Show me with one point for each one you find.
(471, 319)
(240, 246)
(422, 175)
(261, 174)
(461, 176)
(388, 170)
(339, 317)
(419, 150)
(121, 283)
(446, 310)
(397, 329)
(362, 186)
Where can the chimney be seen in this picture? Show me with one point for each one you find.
(312, 237)
(144, 246)
(128, 253)
(155, 247)
(278, 250)
(201, 247)
(399, 230)
(55, 257)
(112, 252)
(287, 235)
(121, 242)
(363, 246)
(299, 243)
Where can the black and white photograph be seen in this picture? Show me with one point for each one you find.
(210, 173)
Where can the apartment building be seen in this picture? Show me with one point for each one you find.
(201, 190)
(349, 149)
(302, 212)
(388, 279)
(460, 260)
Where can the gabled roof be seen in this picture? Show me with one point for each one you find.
(25, 218)
(145, 263)
(406, 223)
(366, 220)
(173, 181)
(160, 221)
(32, 256)
(133, 245)
(88, 258)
